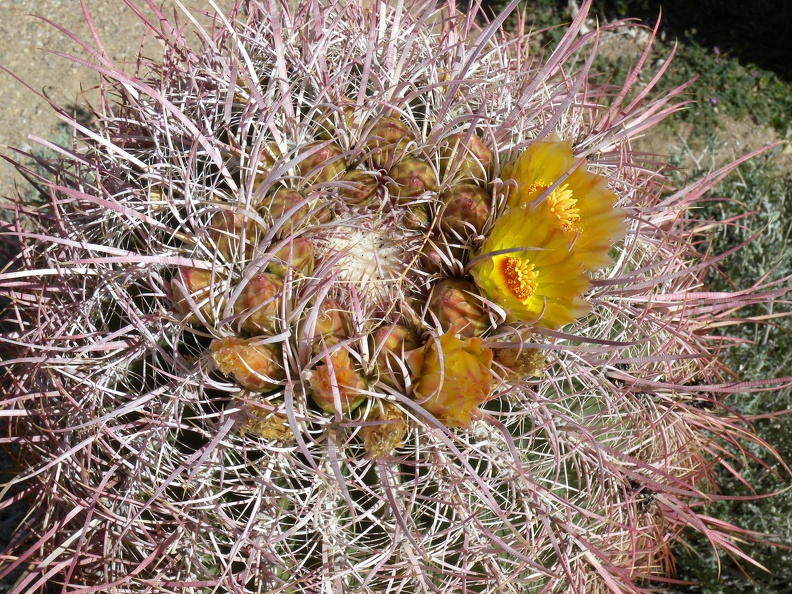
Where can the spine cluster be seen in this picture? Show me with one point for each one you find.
(365, 298)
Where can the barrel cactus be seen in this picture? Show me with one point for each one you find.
(364, 297)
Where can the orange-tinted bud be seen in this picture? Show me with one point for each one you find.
(297, 256)
(458, 308)
(452, 389)
(227, 230)
(253, 366)
(467, 209)
(473, 160)
(196, 283)
(389, 139)
(391, 342)
(359, 187)
(276, 205)
(388, 433)
(338, 379)
(259, 303)
(411, 178)
(324, 165)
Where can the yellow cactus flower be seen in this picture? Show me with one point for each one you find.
(526, 267)
(581, 206)
(452, 386)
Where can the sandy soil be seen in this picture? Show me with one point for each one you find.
(27, 46)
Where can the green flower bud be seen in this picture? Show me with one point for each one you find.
(259, 303)
(332, 325)
(411, 178)
(471, 161)
(324, 165)
(388, 140)
(226, 231)
(331, 120)
(411, 309)
(276, 205)
(456, 305)
(416, 216)
(359, 187)
(442, 258)
(253, 366)
(267, 157)
(297, 255)
(466, 205)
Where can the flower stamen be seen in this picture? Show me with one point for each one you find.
(561, 203)
(519, 277)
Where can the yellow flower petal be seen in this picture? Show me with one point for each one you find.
(581, 206)
(538, 280)
(451, 387)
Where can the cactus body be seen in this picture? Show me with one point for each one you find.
(347, 348)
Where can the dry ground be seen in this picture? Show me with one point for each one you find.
(26, 46)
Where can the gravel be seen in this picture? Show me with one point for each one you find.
(28, 47)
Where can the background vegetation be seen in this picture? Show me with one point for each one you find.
(741, 53)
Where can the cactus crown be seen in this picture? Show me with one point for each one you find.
(367, 299)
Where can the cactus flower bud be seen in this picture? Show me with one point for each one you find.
(456, 305)
(337, 378)
(226, 231)
(275, 206)
(411, 178)
(253, 366)
(467, 208)
(325, 165)
(520, 362)
(450, 389)
(473, 160)
(331, 121)
(389, 139)
(266, 424)
(415, 216)
(359, 187)
(297, 255)
(268, 154)
(197, 283)
(412, 310)
(259, 303)
(332, 325)
(388, 433)
(391, 342)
